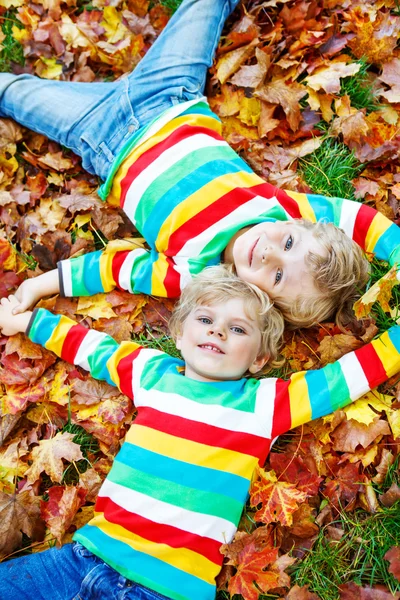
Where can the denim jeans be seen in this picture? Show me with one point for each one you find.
(68, 573)
(96, 119)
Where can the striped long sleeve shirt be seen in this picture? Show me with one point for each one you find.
(188, 193)
(177, 487)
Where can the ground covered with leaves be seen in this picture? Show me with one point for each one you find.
(309, 94)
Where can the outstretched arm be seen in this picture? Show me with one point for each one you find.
(311, 394)
(10, 322)
(92, 350)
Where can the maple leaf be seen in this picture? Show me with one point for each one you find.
(304, 525)
(391, 76)
(60, 509)
(24, 372)
(95, 306)
(91, 482)
(49, 454)
(11, 465)
(364, 409)
(393, 557)
(262, 537)
(294, 470)
(7, 424)
(20, 513)
(287, 95)
(251, 569)
(380, 292)
(279, 499)
(76, 201)
(7, 256)
(375, 38)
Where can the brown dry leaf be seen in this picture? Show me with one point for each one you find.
(391, 496)
(95, 306)
(301, 593)
(49, 454)
(391, 76)
(20, 513)
(252, 76)
(351, 434)
(286, 94)
(375, 38)
(334, 347)
(393, 556)
(232, 61)
(91, 482)
(328, 78)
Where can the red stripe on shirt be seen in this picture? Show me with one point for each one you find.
(159, 533)
(202, 433)
(117, 262)
(210, 215)
(282, 420)
(72, 342)
(124, 370)
(172, 280)
(148, 157)
(371, 365)
(362, 224)
(269, 191)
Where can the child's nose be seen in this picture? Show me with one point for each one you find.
(268, 253)
(218, 331)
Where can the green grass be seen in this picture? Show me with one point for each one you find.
(171, 5)
(357, 557)
(359, 88)
(164, 343)
(12, 51)
(88, 445)
(330, 169)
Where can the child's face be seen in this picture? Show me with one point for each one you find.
(271, 255)
(220, 342)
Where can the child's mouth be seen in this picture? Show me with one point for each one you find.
(251, 253)
(211, 347)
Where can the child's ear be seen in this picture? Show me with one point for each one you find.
(258, 364)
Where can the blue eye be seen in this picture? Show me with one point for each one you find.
(278, 276)
(238, 330)
(205, 320)
(289, 243)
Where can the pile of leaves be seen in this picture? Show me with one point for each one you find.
(309, 94)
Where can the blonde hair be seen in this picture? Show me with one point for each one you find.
(219, 284)
(339, 272)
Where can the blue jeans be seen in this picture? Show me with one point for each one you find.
(96, 119)
(70, 573)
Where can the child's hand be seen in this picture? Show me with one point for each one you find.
(11, 323)
(32, 290)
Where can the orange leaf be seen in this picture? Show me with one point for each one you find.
(279, 499)
(251, 569)
(60, 509)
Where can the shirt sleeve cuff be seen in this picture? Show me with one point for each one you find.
(31, 321)
(60, 279)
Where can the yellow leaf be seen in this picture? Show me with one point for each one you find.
(394, 422)
(112, 23)
(362, 410)
(48, 68)
(96, 307)
(124, 244)
(50, 213)
(328, 77)
(83, 516)
(11, 3)
(380, 292)
(20, 35)
(250, 110)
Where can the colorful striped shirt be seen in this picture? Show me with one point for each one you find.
(177, 487)
(188, 193)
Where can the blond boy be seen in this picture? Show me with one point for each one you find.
(177, 487)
